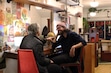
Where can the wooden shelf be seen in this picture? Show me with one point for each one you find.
(70, 2)
(34, 3)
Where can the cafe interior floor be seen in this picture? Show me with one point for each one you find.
(103, 68)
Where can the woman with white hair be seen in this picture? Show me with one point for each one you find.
(31, 41)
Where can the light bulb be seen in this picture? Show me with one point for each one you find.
(92, 14)
(38, 7)
(94, 4)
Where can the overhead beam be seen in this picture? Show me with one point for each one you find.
(35, 3)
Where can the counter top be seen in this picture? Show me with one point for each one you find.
(12, 55)
(106, 41)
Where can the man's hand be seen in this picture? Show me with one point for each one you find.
(51, 61)
(72, 51)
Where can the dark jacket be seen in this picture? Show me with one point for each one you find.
(71, 39)
(32, 42)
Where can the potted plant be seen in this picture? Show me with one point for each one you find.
(85, 25)
(92, 9)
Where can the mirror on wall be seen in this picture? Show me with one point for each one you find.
(41, 16)
(71, 20)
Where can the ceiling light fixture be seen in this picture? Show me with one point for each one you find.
(92, 14)
(38, 7)
(94, 4)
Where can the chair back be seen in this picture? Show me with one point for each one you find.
(100, 45)
(79, 64)
(26, 61)
(82, 54)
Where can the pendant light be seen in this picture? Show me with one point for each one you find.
(94, 3)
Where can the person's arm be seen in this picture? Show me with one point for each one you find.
(56, 41)
(40, 58)
(80, 42)
(51, 39)
(78, 45)
(72, 50)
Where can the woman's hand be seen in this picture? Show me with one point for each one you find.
(52, 39)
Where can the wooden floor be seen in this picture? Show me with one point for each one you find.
(103, 68)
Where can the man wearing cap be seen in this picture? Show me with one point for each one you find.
(71, 44)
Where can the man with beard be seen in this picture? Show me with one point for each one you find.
(71, 43)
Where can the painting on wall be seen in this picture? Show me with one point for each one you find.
(9, 19)
(10, 39)
(10, 30)
(14, 21)
(14, 8)
(24, 14)
(2, 16)
(1, 41)
(1, 30)
(2, 4)
(18, 10)
(10, 33)
(19, 28)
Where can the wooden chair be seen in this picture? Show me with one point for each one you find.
(77, 64)
(26, 61)
(105, 54)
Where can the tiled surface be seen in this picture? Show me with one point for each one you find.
(103, 68)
